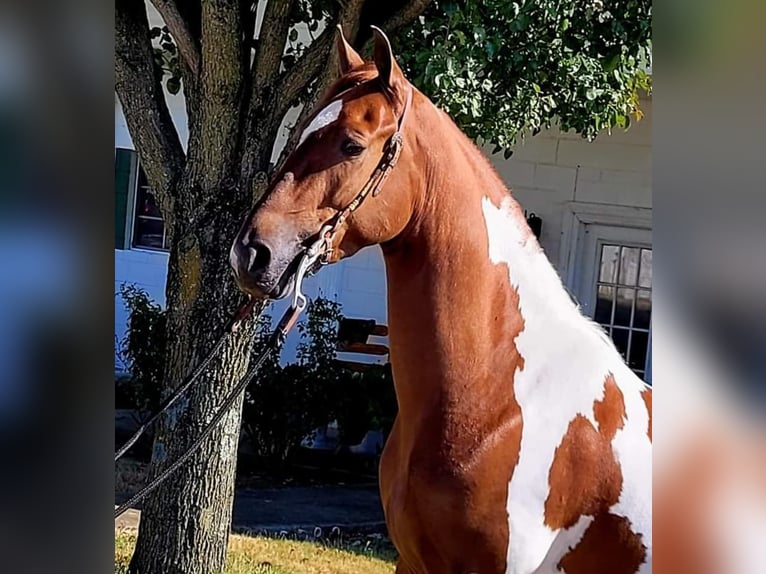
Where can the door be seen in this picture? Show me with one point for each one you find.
(614, 286)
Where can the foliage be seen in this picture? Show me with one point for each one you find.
(365, 401)
(143, 348)
(504, 69)
(284, 404)
(360, 401)
(166, 58)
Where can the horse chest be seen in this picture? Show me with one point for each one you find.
(445, 508)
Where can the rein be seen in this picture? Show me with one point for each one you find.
(274, 343)
(314, 255)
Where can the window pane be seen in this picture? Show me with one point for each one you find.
(604, 297)
(146, 205)
(645, 274)
(148, 233)
(609, 257)
(638, 348)
(629, 265)
(643, 309)
(620, 338)
(624, 306)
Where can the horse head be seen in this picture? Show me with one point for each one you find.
(348, 141)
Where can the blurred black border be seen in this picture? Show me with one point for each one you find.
(56, 487)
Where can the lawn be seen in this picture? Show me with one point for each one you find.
(265, 555)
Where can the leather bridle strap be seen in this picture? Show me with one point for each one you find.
(378, 178)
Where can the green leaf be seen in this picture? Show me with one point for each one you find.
(173, 84)
(293, 35)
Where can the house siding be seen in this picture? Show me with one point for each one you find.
(553, 169)
(546, 174)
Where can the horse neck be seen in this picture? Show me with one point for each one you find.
(454, 313)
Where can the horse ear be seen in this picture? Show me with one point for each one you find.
(348, 58)
(391, 75)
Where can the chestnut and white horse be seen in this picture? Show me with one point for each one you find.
(523, 441)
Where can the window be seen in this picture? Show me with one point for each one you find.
(624, 300)
(607, 264)
(148, 225)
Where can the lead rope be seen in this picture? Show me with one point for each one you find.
(277, 338)
(230, 328)
(274, 342)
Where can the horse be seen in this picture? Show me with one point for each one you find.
(522, 442)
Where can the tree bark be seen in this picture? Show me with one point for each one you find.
(185, 524)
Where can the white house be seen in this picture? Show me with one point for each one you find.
(594, 200)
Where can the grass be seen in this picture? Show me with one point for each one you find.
(270, 555)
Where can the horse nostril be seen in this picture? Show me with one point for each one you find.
(258, 256)
(250, 259)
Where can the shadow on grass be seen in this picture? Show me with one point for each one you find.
(343, 553)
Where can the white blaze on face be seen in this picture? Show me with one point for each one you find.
(328, 115)
(566, 360)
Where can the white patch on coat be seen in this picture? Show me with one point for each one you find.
(566, 539)
(328, 115)
(566, 360)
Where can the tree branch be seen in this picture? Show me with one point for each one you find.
(404, 16)
(187, 45)
(317, 58)
(222, 72)
(293, 82)
(138, 86)
(271, 43)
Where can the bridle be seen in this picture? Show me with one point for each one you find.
(314, 255)
(318, 252)
(375, 182)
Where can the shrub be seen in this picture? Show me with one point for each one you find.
(142, 349)
(284, 404)
(365, 401)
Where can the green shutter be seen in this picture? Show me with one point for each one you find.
(123, 160)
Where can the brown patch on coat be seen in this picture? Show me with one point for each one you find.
(585, 477)
(646, 394)
(610, 411)
(608, 546)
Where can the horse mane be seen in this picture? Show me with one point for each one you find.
(368, 73)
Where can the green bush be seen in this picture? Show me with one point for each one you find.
(365, 401)
(142, 349)
(284, 404)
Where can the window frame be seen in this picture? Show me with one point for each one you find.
(578, 273)
(133, 214)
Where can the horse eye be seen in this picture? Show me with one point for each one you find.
(351, 148)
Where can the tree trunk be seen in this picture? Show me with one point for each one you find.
(185, 523)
